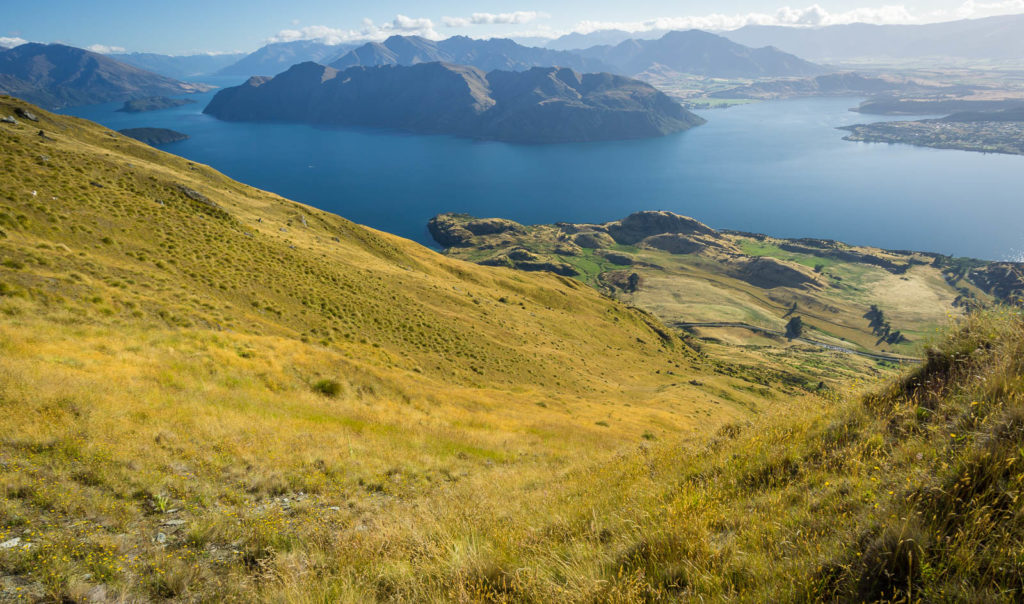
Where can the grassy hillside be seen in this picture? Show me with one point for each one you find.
(286, 381)
(209, 393)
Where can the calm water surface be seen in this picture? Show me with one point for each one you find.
(779, 168)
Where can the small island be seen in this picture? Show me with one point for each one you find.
(153, 103)
(154, 136)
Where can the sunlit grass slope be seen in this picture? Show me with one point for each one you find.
(196, 405)
(174, 340)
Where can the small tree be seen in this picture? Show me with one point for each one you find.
(795, 328)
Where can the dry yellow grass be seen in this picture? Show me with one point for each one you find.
(197, 406)
(173, 339)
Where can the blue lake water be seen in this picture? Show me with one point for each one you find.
(779, 168)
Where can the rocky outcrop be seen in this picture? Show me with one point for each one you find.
(641, 225)
(459, 230)
(541, 105)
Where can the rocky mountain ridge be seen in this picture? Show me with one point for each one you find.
(540, 105)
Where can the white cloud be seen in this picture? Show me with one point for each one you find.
(971, 9)
(456, 21)
(812, 16)
(12, 42)
(401, 24)
(518, 17)
(103, 49)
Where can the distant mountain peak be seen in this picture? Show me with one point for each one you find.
(702, 53)
(58, 75)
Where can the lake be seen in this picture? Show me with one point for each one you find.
(779, 168)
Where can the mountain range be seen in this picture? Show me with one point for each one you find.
(488, 55)
(279, 56)
(540, 105)
(601, 37)
(692, 51)
(999, 38)
(180, 67)
(55, 75)
(701, 53)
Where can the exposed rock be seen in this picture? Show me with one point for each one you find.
(627, 281)
(8, 120)
(195, 195)
(25, 114)
(458, 230)
(10, 543)
(637, 227)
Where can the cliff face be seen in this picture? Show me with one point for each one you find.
(541, 105)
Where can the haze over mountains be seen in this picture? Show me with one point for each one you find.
(701, 53)
(180, 67)
(55, 75)
(488, 55)
(990, 38)
(541, 105)
(274, 58)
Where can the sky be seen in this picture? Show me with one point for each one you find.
(197, 26)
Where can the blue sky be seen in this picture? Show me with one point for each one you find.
(190, 26)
